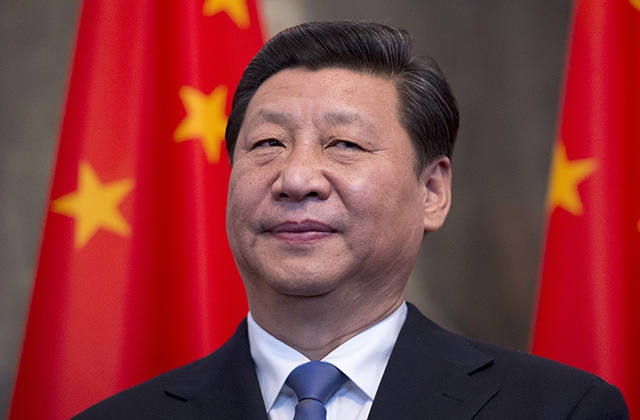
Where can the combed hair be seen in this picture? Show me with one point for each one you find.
(426, 106)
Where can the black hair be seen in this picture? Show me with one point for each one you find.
(427, 108)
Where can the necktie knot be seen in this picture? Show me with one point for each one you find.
(314, 383)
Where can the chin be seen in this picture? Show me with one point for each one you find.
(302, 286)
(305, 289)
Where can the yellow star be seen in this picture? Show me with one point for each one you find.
(236, 9)
(565, 177)
(206, 119)
(94, 205)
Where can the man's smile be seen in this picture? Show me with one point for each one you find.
(300, 231)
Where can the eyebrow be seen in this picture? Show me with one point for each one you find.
(343, 118)
(278, 118)
(332, 118)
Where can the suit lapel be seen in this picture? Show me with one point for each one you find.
(430, 375)
(223, 386)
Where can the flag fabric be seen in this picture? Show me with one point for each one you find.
(588, 312)
(135, 275)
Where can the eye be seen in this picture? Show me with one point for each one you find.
(345, 144)
(268, 143)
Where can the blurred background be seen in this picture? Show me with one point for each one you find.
(476, 276)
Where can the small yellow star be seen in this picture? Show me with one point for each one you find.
(206, 119)
(236, 9)
(565, 177)
(94, 205)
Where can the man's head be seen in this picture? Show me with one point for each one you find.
(325, 203)
(427, 109)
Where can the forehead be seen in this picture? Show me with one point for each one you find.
(336, 95)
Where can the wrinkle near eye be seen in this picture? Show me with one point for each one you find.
(267, 143)
(346, 144)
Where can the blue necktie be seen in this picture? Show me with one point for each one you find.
(314, 382)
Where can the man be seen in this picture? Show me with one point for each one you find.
(341, 143)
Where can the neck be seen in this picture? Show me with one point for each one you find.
(315, 326)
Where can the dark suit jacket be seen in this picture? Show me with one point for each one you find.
(432, 374)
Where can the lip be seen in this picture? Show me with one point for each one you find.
(305, 230)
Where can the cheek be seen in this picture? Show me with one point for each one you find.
(239, 204)
(359, 194)
(382, 187)
(386, 206)
(245, 188)
(371, 209)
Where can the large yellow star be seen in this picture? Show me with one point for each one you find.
(565, 177)
(94, 205)
(206, 119)
(236, 9)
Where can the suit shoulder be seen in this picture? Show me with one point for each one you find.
(527, 386)
(551, 387)
(149, 398)
(166, 393)
(535, 368)
(481, 358)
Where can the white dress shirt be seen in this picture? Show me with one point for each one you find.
(362, 358)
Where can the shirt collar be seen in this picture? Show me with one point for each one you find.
(274, 361)
(363, 358)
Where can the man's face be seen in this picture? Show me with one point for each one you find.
(323, 195)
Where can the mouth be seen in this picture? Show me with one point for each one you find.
(302, 231)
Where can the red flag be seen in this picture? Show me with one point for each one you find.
(135, 276)
(588, 311)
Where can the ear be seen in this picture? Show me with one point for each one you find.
(437, 181)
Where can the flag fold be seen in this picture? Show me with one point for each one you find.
(135, 275)
(588, 313)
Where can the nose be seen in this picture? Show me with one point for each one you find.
(301, 177)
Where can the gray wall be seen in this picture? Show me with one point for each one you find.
(476, 276)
